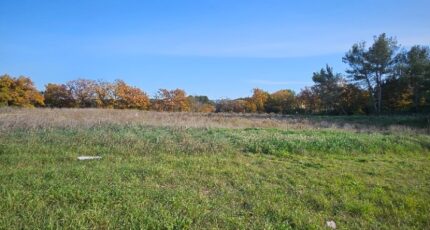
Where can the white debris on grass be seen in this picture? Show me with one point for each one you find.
(331, 224)
(83, 158)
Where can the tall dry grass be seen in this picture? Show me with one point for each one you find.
(14, 118)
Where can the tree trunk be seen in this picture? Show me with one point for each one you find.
(416, 98)
(372, 95)
(379, 92)
(379, 98)
(428, 125)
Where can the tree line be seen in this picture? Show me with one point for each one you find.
(381, 78)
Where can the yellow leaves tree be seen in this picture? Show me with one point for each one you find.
(259, 98)
(105, 94)
(19, 92)
(282, 101)
(6, 88)
(206, 108)
(172, 101)
(250, 106)
(128, 97)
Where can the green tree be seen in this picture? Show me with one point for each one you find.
(415, 65)
(329, 87)
(308, 101)
(354, 100)
(371, 66)
(397, 95)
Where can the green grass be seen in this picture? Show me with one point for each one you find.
(383, 121)
(175, 178)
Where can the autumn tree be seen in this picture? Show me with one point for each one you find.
(250, 106)
(128, 97)
(171, 101)
(201, 104)
(240, 106)
(58, 95)
(282, 101)
(105, 94)
(19, 92)
(83, 92)
(6, 90)
(259, 98)
(206, 108)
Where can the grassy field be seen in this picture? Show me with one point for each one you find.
(179, 171)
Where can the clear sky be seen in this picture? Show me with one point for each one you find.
(219, 48)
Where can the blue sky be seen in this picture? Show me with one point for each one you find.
(219, 48)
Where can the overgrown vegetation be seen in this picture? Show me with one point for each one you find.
(168, 175)
(12, 118)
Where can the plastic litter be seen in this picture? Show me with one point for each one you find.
(84, 158)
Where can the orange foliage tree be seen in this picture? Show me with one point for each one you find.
(128, 97)
(171, 101)
(105, 94)
(19, 92)
(282, 101)
(259, 98)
